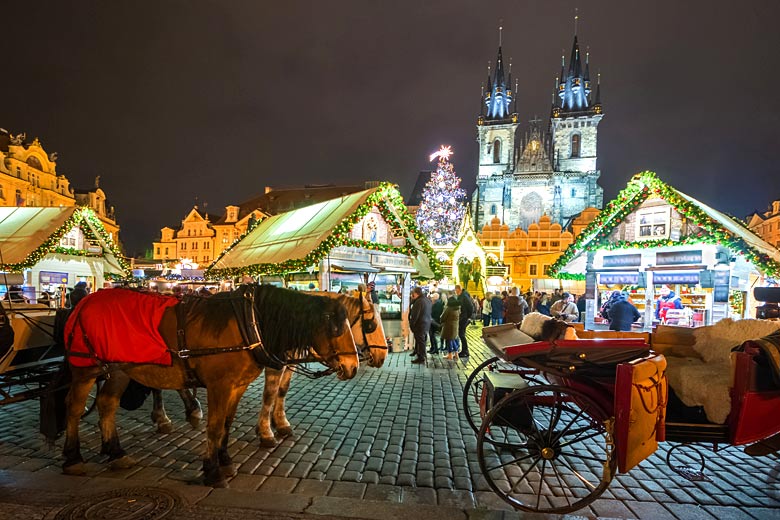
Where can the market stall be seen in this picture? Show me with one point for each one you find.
(335, 245)
(51, 249)
(679, 261)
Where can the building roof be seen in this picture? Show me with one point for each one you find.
(296, 240)
(715, 227)
(279, 200)
(28, 234)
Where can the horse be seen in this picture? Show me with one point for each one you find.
(222, 343)
(366, 324)
(369, 335)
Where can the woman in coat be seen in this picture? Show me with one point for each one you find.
(486, 310)
(450, 319)
(516, 307)
(497, 309)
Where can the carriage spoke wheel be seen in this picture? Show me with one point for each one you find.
(541, 450)
(472, 390)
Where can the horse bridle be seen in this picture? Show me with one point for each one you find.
(314, 357)
(366, 324)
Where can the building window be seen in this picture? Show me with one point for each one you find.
(496, 151)
(555, 243)
(206, 258)
(183, 246)
(194, 245)
(205, 245)
(166, 251)
(653, 223)
(573, 192)
(19, 199)
(532, 269)
(19, 172)
(575, 145)
(544, 243)
(492, 209)
(158, 251)
(545, 269)
(533, 243)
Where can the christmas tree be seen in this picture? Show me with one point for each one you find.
(441, 209)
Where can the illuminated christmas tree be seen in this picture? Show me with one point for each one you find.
(441, 209)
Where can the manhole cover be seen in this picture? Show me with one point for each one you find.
(122, 504)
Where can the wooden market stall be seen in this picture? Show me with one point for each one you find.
(654, 241)
(335, 245)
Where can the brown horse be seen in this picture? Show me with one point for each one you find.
(369, 335)
(211, 342)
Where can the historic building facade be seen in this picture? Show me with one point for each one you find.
(767, 224)
(28, 177)
(545, 170)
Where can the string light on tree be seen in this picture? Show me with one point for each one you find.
(441, 209)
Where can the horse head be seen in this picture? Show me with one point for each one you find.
(367, 328)
(334, 343)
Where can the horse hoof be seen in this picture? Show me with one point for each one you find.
(124, 462)
(284, 431)
(228, 470)
(194, 420)
(74, 469)
(266, 442)
(165, 428)
(217, 483)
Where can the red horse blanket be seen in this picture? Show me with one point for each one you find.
(120, 326)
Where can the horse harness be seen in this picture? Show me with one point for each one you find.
(366, 327)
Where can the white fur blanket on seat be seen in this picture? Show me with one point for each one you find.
(706, 382)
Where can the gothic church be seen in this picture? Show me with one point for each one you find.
(543, 171)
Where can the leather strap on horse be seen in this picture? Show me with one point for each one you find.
(191, 378)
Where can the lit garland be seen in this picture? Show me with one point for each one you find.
(52, 243)
(386, 198)
(595, 235)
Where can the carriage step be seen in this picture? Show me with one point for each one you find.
(698, 433)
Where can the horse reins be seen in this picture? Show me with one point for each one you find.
(363, 320)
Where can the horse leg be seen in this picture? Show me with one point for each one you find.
(270, 391)
(159, 417)
(192, 407)
(226, 466)
(107, 403)
(75, 401)
(279, 419)
(219, 401)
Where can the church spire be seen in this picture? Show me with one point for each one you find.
(498, 96)
(574, 88)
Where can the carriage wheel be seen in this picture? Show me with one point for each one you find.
(472, 390)
(91, 403)
(541, 450)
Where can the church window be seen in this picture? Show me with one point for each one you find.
(588, 123)
(576, 124)
(493, 209)
(496, 151)
(573, 192)
(532, 269)
(575, 145)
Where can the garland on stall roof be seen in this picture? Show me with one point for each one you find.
(385, 197)
(643, 185)
(52, 243)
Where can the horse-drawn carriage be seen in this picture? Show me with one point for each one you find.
(556, 420)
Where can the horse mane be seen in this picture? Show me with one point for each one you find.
(352, 303)
(215, 312)
(289, 320)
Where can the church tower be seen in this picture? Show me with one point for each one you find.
(574, 121)
(496, 127)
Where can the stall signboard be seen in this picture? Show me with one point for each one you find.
(619, 278)
(623, 260)
(690, 278)
(50, 277)
(720, 292)
(678, 257)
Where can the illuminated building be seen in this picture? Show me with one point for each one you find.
(767, 224)
(28, 177)
(541, 171)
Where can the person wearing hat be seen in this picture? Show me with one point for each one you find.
(621, 313)
(565, 309)
(420, 324)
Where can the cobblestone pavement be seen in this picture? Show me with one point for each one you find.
(393, 435)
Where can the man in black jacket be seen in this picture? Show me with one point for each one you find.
(419, 323)
(437, 307)
(466, 311)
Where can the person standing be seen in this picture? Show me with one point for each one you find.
(466, 310)
(372, 292)
(497, 309)
(437, 307)
(556, 296)
(621, 314)
(486, 310)
(543, 304)
(450, 322)
(565, 308)
(516, 307)
(419, 323)
(668, 300)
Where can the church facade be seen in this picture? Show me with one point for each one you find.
(542, 169)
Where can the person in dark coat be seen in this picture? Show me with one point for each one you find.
(543, 306)
(436, 309)
(496, 309)
(515, 308)
(419, 323)
(466, 311)
(77, 294)
(604, 311)
(621, 314)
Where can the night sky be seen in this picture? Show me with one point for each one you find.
(172, 100)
